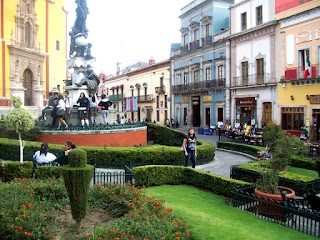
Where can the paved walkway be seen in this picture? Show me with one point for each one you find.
(223, 159)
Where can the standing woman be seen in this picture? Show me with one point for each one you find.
(61, 111)
(190, 148)
(104, 104)
(83, 109)
(93, 107)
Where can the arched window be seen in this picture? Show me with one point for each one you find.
(28, 35)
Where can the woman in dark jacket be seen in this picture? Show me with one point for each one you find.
(83, 109)
(104, 104)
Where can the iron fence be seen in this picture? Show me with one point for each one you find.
(253, 79)
(299, 217)
(301, 188)
(199, 86)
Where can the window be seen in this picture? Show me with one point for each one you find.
(28, 35)
(138, 90)
(304, 57)
(195, 35)
(220, 72)
(57, 45)
(260, 71)
(292, 118)
(244, 68)
(157, 101)
(185, 78)
(196, 75)
(178, 78)
(207, 27)
(145, 91)
(132, 91)
(259, 15)
(243, 21)
(208, 73)
(158, 116)
(165, 101)
(185, 39)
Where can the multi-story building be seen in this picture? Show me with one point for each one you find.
(34, 50)
(254, 63)
(150, 85)
(200, 68)
(299, 89)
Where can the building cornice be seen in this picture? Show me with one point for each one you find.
(300, 17)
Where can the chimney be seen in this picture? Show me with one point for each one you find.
(151, 61)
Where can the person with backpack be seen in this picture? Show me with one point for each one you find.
(190, 148)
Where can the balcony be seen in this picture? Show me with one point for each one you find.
(206, 41)
(184, 49)
(194, 45)
(145, 98)
(116, 97)
(161, 89)
(254, 80)
(298, 73)
(200, 86)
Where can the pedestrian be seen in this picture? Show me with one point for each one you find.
(49, 106)
(177, 123)
(67, 102)
(168, 122)
(93, 108)
(122, 120)
(54, 110)
(43, 156)
(61, 111)
(190, 148)
(104, 104)
(83, 109)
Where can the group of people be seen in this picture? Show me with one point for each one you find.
(87, 106)
(43, 156)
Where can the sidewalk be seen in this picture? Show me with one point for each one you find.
(223, 160)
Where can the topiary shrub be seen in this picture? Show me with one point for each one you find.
(77, 176)
(14, 170)
(48, 172)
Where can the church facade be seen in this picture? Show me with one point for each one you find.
(33, 50)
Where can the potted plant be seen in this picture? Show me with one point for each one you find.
(282, 146)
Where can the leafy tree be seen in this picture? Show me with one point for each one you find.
(271, 134)
(19, 120)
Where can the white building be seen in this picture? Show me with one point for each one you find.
(254, 65)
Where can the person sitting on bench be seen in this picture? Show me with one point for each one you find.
(43, 156)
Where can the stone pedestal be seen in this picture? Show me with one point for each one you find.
(74, 93)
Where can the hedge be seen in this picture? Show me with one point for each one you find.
(31, 135)
(162, 135)
(251, 172)
(156, 175)
(113, 156)
(12, 170)
(295, 160)
(48, 172)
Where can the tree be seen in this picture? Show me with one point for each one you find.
(19, 120)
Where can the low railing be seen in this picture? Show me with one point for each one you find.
(116, 97)
(199, 86)
(121, 177)
(194, 45)
(206, 40)
(79, 127)
(301, 219)
(145, 98)
(300, 73)
(253, 79)
(184, 49)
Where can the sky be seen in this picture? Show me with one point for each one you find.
(129, 31)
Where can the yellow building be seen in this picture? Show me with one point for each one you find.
(299, 87)
(33, 49)
(150, 85)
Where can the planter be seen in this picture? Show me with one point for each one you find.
(270, 204)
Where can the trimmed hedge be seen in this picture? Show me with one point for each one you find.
(113, 156)
(14, 170)
(156, 175)
(251, 172)
(162, 135)
(48, 172)
(31, 135)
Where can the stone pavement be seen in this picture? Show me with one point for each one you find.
(223, 159)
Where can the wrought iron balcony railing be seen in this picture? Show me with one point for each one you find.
(198, 86)
(161, 89)
(194, 45)
(116, 97)
(300, 73)
(145, 98)
(253, 79)
(184, 48)
(206, 40)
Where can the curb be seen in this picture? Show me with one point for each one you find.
(237, 153)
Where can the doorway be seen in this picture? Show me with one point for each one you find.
(196, 111)
(149, 114)
(139, 112)
(208, 117)
(27, 84)
(267, 113)
(220, 114)
(185, 116)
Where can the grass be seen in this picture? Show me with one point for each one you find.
(303, 171)
(209, 217)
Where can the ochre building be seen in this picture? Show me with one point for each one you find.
(33, 49)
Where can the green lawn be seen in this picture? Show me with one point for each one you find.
(303, 171)
(210, 218)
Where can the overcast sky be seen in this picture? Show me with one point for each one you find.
(129, 31)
